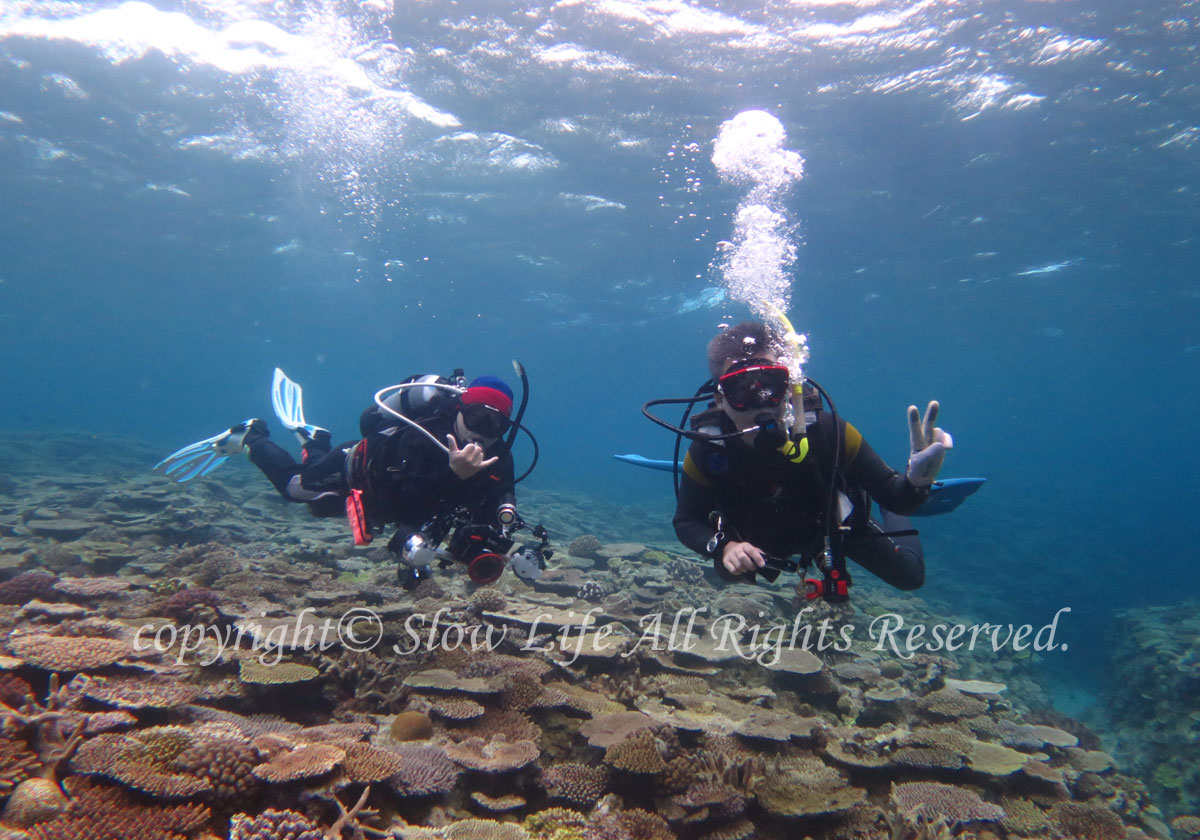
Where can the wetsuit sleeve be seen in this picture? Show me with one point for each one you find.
(696, 501)
(867, 470)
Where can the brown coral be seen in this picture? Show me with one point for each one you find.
(587, 546)
(281, 673)
(426, 771)
(274, 825)
(488, 600)
(27, 586)
(605, 730)
(34, 801)
(365, 763)
(67, 653)
(806, 788)
(1076, 820)
(1021, 816)
(638, 754)
(17, 763)
(713, 798)
(515, 726)
(456, 708)
(498, 804)
(443, 679)
(579, 784)
(739, 830)
(1186, 827)
(306, 761)
(138, 692)
(951, 703)
(107, 812)
(226, 763)
(196, 603)
(633, 824)
(498, 755)
(520, 691)
(96, 587)
(946, 802)
(410, 726)
(143, 760)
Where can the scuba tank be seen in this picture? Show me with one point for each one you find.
(424, 396)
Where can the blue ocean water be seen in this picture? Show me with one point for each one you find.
(998, 211)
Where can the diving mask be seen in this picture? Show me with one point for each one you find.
(754, 384)
(484, 420)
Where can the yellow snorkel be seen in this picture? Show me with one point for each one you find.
(793, 449)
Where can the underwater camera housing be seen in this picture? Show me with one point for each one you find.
(483, 549)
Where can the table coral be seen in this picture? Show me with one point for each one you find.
(143, 760)
(947, 802)
(106, 812)
(306, 761)
(495, 756)
(67, 653)
(426, 771)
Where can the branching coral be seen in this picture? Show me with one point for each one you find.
(274, 825)
(227, 764)
(579, 784)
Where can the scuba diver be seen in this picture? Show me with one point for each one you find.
(767, 477)
(434, 457)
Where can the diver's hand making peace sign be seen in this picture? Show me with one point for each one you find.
(928, 445)
(469, 460)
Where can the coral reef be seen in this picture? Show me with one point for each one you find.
(560, 710)
(1154, 701)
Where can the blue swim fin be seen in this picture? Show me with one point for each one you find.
(648, 463)
(948, 493)
(287, 398)
(196, 459)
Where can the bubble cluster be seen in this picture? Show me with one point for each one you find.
(750, 152)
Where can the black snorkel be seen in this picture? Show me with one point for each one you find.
(516, 421)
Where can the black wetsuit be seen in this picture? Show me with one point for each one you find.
(405, 480)
(779, 505)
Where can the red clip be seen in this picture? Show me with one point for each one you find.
(358, 518)
(813, 588)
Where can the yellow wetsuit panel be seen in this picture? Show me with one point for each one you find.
(693, 472)
(853, 442)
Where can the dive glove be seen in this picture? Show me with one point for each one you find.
(928, 445)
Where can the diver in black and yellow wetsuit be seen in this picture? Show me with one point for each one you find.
(767, 492)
